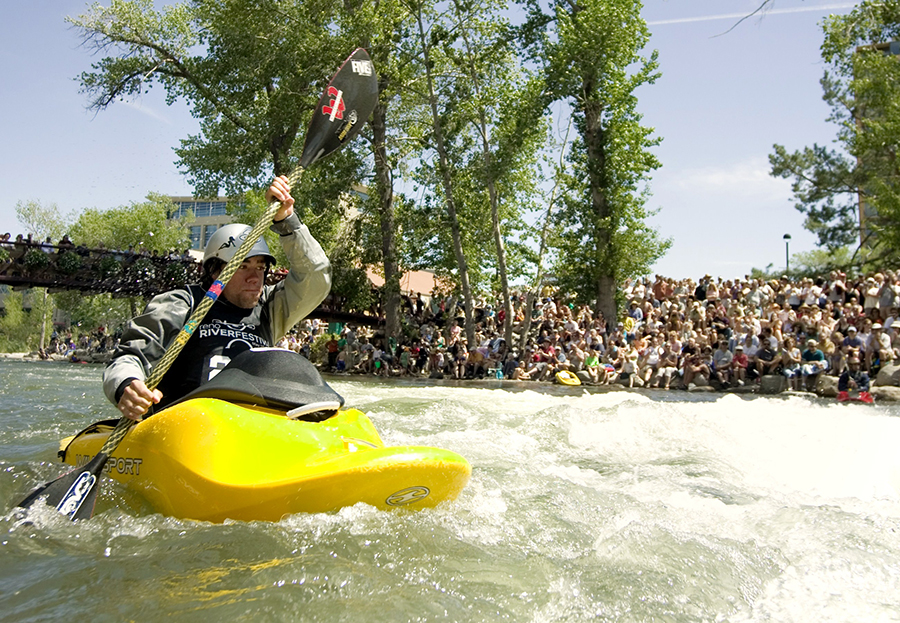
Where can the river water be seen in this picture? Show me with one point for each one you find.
(618, 506)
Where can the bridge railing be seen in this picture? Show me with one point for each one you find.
(123, 273)
(94, 269)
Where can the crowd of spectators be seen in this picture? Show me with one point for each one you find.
(80, 346)
(673, 334)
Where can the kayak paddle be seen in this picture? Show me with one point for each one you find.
(342, 111)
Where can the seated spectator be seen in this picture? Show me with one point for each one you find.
(668, 366)
(879, 351)
(576, 357)
(636, 312)
(834, 351)
(510, 364)
(766, 359)
(629, 363)
(612, 359)
(853, 344)
(648, 359)
(891, 317)
(592, 364)
(695, 366)
(739, 364)
(790, 363)
(520, 373)
(722, 360)
(814, 364)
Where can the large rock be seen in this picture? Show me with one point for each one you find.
(886, 394)
(888, 376)
(772, 384)
(826, 386)
(101, 357)
(636, 382)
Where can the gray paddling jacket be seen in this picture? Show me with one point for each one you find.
(226, 330)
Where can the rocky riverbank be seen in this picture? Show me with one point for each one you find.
(885, 386)
(78, 356)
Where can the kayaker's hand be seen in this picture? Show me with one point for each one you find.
(137, 399)
(280, 190)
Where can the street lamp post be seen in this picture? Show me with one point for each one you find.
(787, 253)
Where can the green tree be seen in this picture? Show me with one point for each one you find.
(426, 47)
(861, 85)
(546, 236)
(16, 330)
(504, 108)
(26, 320)
(594, 65)
(141, 225)
(90, 312)
(41, 221)
(252, 72)
(381, 27)
(479, 117)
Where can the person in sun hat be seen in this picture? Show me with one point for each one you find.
(247, 314)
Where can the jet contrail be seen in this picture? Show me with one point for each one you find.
(709, 18)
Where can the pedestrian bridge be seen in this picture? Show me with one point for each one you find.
(121, 273)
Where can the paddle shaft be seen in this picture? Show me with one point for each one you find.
(162, 366)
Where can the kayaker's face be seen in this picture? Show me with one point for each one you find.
(246, 286)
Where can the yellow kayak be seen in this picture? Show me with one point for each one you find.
(209, 459)
(565, 377)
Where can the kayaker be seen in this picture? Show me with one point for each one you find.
(248, 313)
(853, 379)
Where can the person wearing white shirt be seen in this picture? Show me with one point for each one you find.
(879, 348)
(813, 292)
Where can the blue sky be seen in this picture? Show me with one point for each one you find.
(720, 105)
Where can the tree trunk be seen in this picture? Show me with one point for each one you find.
(498, 235)
(44, 320)
(603, 224)
(444, 166)
(539, 273)
(384, 183)
(489, 176)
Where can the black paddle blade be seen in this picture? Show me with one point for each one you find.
(343, 109)
(73, 494)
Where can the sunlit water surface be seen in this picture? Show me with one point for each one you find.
(616, 506)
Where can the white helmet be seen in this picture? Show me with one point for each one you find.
(225, 242)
